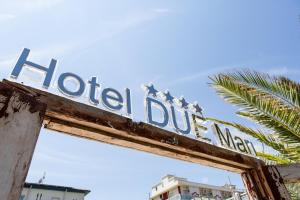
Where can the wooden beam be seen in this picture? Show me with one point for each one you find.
(21, 118)
(264, 183)
(275, 183)
(86, 121)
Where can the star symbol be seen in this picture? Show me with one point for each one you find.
(168, 97)
(197, 108)
(183, 102)
(151, 90)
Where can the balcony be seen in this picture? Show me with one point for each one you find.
(189, 197)
(181, 197)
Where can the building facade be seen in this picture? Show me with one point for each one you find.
(176, 188)
(34, 191)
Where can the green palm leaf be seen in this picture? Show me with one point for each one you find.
(278, 159)
(284, 89)
(273, 102)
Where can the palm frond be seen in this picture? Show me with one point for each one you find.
(283, 88)
(278, 159)
(294, 190)
(258, 104)
(281, 132)
(273, 102)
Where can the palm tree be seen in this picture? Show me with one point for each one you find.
(273, 102)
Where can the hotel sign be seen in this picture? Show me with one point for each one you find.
(162, 109)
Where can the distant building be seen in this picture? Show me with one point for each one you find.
(34, 191)
(176, 188)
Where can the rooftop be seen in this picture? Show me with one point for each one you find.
(55, 188)
(170, 181)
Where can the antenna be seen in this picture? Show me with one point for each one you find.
(229, 180)
(230, 186)
(42, 179)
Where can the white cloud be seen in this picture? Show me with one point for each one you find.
(204, 73)
(10, 10)
(112, 28)
(36, 55)
(129, 21)
(53, 156)
(67, 159)
(281, 71)
(53, 51)
(35, 174)
(6, 62)
(6, 17)
(276, 71)
(45, 53)
(6, 65)
(162, 10)
(17, 7)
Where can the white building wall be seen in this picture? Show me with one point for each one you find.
(194, 190)
(217, 193)
(74, 196)
(173, 192)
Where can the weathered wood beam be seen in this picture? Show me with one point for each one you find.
(86, 121)
(265, 183)
(275, 183)
(21, 118)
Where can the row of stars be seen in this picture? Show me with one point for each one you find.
(169, 98)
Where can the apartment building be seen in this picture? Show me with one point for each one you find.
(177, 188)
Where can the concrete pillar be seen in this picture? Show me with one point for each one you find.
(21, 118)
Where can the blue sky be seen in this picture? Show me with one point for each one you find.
(174, 44)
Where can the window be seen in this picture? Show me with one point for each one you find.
(22, 197)
(226, 194)
(39, 196)
(185, 190)
(205, 192)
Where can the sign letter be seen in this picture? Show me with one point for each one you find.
(187, 122)
(199, 129)
(23, 61)
(240, 144)
(62, 87)
(94, 86)
(165, 121)
(112, 94)
(228, 140)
